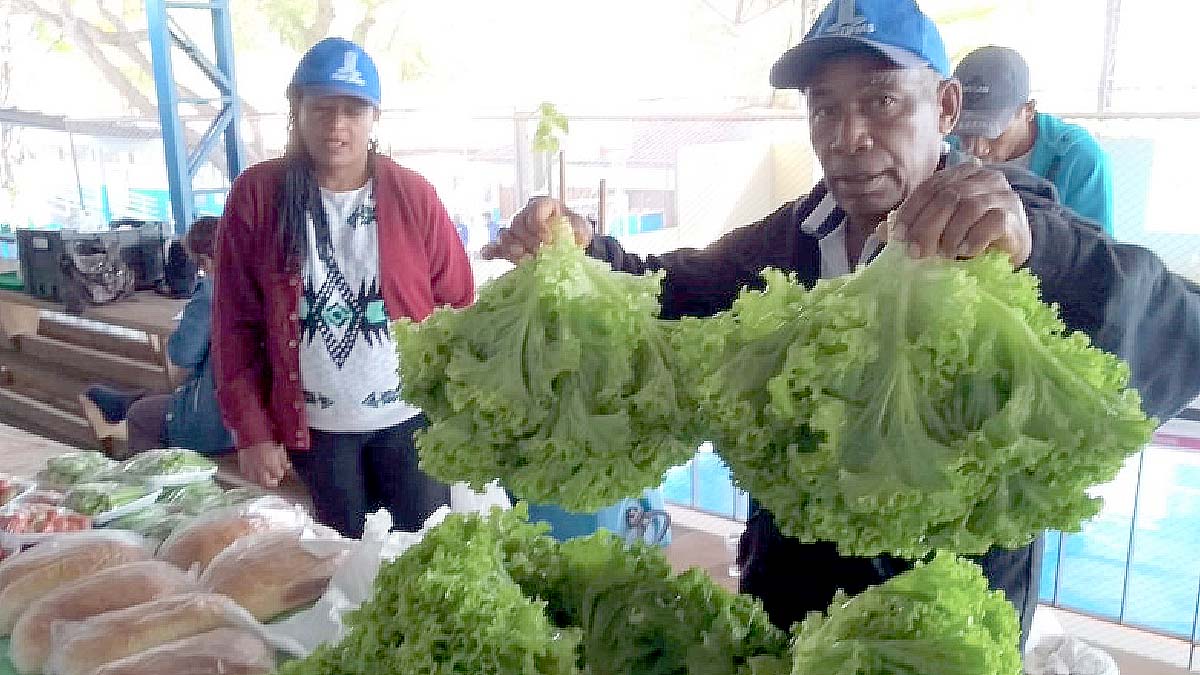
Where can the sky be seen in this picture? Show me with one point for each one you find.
(681, 55)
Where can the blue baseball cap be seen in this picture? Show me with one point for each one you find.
(337, 67)
(895, 29)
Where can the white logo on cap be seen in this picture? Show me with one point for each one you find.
(849, 21)
(349, 72)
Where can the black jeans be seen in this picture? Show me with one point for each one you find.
(352, 474)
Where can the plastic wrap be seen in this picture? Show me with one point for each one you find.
(1065, 655)
(38, 571)
(351, 585)
(197, 542)
(465, 500)
(104, 591)
(277, 571)
(80, 647)
(225, 651)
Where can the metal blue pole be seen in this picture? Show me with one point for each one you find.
(223, 40)
(174, 141)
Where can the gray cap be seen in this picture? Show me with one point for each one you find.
(995, 83)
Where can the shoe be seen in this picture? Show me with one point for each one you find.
(113, 403)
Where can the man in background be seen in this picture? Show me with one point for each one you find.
(1000, 123)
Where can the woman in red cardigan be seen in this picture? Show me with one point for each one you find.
(318, 251)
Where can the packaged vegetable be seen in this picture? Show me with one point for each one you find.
(77, 467)
(155, 522)
(81, 647)
(36, 518)
(224, 651)
(96, 498)
(167, 462)
(196, 498)
(273, 572)
(197, 542)
(103, 591)
(32, 574)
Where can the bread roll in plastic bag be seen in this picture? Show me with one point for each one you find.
(80, 647)
(202, 539)
(276, 572)
(104, 591)
(35, 572)
(225, 651)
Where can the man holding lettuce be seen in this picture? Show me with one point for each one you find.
(881, 100)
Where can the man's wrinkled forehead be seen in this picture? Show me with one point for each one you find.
(879, 76)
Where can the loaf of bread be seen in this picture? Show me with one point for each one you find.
(80, 647)
(197, 543)
(272, 572)
(225, 651)
(107, 590)
(36, 572)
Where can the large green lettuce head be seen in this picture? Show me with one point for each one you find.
(937, 619)
(918, 405)
(560, 381)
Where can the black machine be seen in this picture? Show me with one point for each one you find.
(97, 267)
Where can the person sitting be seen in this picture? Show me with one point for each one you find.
(189, 416)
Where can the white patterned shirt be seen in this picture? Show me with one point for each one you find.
(348, 362)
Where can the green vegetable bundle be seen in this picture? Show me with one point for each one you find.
(77, 467)
(496, 595)
(155, 522)
(166, 462)
(917, 405)
(195, 498)
(559, 381)
(448, 605)
(94, 498)
(937, 619)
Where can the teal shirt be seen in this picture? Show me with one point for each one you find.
(1071, 158)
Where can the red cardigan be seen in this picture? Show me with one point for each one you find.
(256, 328)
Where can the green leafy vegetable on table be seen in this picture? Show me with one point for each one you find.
(166, 462)
(94, 498)
(196, 498)
(916, 405)
(496, 595)
(77, 467)
(559, 381)
(156, 521)
(937, 619)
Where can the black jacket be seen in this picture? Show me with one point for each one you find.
(1119, 294)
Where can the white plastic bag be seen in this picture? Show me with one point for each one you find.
(465, 500)
(1066, 655)
(352, 584)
